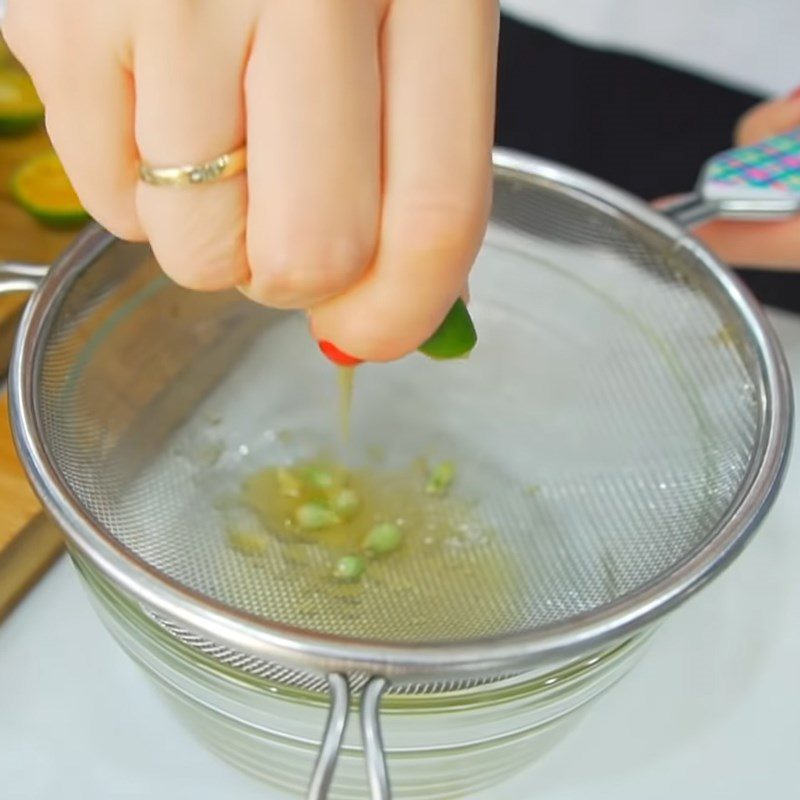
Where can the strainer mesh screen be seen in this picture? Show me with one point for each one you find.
(602, 428)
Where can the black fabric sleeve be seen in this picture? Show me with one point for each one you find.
(641, 125)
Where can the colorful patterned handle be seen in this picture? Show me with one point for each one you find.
(769, 170)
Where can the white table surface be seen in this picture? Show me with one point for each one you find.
(713, 710)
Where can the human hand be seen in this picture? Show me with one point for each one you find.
(368, 124)
(774, 245)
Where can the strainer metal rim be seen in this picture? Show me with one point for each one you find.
(326, 652)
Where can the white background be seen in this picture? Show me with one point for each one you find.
(746, 43)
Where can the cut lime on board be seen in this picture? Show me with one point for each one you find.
(20, 106)
(455, 337)
(43, 189)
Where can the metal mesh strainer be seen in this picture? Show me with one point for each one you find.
(621, 371)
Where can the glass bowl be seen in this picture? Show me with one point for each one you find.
(442, 744)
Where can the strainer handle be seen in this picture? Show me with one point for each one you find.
(374, 755)
(322, 776)
(16, 277)
(758, 182)
(688, 210)
(691, 210)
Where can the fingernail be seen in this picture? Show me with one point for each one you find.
(332, 352)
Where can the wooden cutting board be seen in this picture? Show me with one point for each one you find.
(29, 542)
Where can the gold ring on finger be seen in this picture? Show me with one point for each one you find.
(224, 166)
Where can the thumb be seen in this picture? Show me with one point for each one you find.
(770, 118)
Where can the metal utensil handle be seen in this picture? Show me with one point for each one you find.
(760, 181)
(322, 776)
(374, 755)
(691, 210)
(688, 210)
(15, 277)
